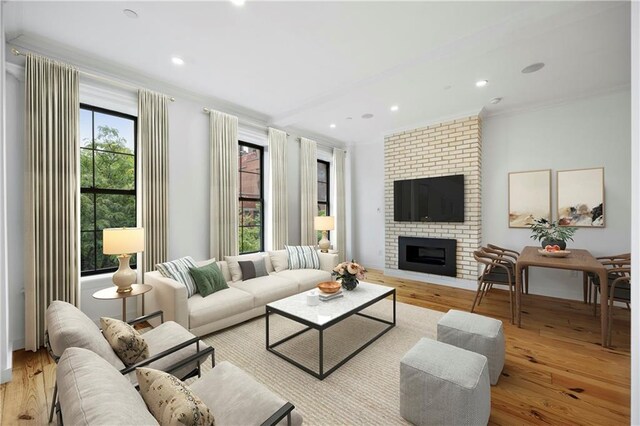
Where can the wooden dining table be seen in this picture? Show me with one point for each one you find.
(577, 260)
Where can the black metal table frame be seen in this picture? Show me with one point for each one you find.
(321, 374)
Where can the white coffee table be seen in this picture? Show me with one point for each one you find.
(327, 314)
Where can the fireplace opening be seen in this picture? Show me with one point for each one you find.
(428, 255)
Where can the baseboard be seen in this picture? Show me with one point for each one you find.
(5, 375)
(433, 279)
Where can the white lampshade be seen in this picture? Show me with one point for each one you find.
(323, 223)
(122, 240)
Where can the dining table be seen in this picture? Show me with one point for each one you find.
(576, 260)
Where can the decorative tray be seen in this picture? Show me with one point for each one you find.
(559, 253)
(329, 287)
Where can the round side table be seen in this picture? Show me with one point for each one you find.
(111, 293)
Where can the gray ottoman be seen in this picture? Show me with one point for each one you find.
(441, 384)
(475, 333)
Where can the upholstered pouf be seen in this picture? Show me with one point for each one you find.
(475, 333)
(442, 384)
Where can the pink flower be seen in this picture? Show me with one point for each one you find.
(352, 268)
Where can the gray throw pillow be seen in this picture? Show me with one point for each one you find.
(252, 269)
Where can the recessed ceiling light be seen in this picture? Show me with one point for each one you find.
(394, 108)
(495, 100)
(333, 126)
(238, 2)
(130, 13)
(482, 83)
(177, 60)
(532, 68)
(367, 116)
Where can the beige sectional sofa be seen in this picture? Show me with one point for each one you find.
(243, 300)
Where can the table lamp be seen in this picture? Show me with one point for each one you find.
(324, 224)
(122, 242)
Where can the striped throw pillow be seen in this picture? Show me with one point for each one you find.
(303, 257)
(179, 270)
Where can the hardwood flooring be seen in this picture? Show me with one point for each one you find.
(556, 372)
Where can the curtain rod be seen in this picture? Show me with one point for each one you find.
(94, 76)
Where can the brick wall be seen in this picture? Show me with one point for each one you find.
(450, 148)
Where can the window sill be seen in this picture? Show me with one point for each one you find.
(98, 281)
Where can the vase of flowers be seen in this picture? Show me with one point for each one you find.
(348, 273)
(550, 233)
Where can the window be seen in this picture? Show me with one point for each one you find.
(107, 182)
(323, 191)
(250, 232)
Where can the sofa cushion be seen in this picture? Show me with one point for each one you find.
(168, 335)
(234, 266)
(178, 270)
(69, 327)
(267, 289)
(252, 269)
(302, 257)
(125, 340)
(305, 278)
(170, 401)
(279, 260)
(219, 305)
(92, 392)
(208, 279)
(242, 400)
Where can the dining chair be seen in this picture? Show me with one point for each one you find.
(511, 255)
(619, 291)
(497, 271)
(612, 263)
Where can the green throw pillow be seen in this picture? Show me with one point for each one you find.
(208, 278)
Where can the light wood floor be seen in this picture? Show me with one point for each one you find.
(556, 372)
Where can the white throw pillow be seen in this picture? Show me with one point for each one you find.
(234, 266)
(279, 260)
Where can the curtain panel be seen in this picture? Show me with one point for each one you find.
(340, 209)
(153, 137)
(223, 139)
(52, 191)
(278, 189)
(308, 191)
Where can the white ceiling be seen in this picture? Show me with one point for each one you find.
(304, 65)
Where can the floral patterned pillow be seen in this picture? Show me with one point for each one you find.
(170, 401)
(125, 341)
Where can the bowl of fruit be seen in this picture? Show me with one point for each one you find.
(554, 251)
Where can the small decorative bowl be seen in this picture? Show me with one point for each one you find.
(329, 287)
(559, 253)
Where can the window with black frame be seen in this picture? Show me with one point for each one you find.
(251, 201)
(323, 192)
(107, 182)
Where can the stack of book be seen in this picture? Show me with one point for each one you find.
(325, 297)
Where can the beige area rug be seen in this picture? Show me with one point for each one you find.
(364, 391)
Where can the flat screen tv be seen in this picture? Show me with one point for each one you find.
(437, 199)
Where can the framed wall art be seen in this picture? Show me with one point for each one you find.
(529, 197)
(581, 197)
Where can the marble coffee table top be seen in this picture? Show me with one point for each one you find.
(324, 312)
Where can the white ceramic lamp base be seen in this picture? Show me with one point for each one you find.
(124, 276)
(324, 244)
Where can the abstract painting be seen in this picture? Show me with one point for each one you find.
(581, 197)
(529, 197)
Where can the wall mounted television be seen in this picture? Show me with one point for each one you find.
(436, 199)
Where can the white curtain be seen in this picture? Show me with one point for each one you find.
(223, 138)
(340, 210)
(308, 191)
(153, 137)
(52, 191)
(278, 184)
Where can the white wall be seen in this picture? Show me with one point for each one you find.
(590, 132)
(367, 204)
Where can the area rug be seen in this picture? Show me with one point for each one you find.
(364, 391)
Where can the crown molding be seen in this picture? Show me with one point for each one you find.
(552, 103)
